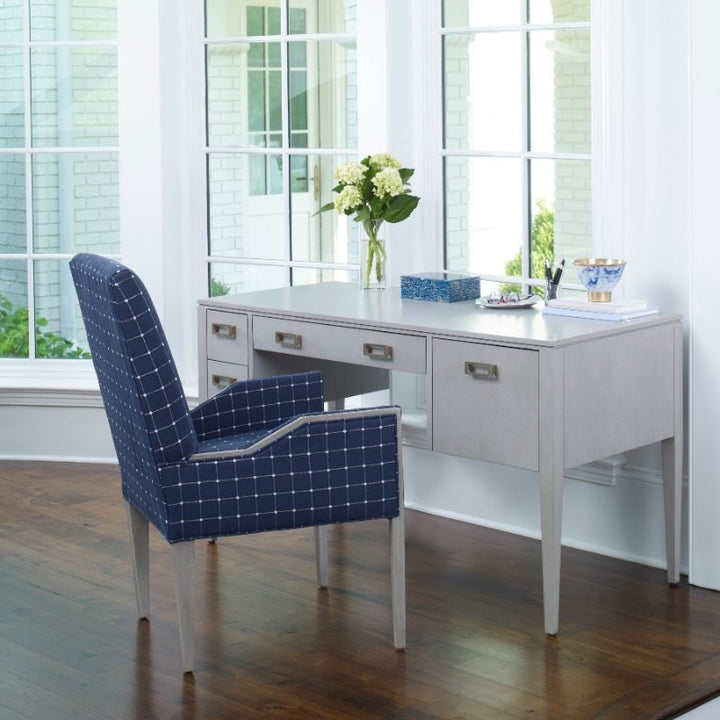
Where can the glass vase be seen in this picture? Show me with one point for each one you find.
(373, 259)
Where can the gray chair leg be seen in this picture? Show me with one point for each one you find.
(183, 555)
(397, 578)
(321, 554)
(139, 546)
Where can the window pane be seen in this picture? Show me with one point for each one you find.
(73, 20)
(12, 204)
(74, 96)
(478, 13)
(483, 107)
(227, 18)
(323, 17)
(255, 19)
(310, 276)
(11, 20)
(76, 203)
(549, 11)
(245, 104)
(244, 101)
(12, 130)
(297, 20)
(560, 91)
(320, 237)
(483, 213)
(242, 221)
(14, 328)
(59, 331)
(230, 278)
(561, 197)
(323, 93)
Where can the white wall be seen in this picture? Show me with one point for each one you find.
(705, 258)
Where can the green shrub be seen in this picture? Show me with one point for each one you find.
(218, 288)
(15, 336)
(542, 247)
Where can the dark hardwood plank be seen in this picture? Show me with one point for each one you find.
(270, 644)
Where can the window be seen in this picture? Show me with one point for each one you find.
(516, 136)
(58, 165)
(281, 114)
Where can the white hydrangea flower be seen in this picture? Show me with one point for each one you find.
(348, 198)
(383, 160)
(350, 173)
(388, 182)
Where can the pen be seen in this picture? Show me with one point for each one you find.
(558, 272)
(548, 274)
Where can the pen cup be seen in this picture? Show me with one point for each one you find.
(551, 289)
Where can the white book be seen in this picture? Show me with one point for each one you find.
(595, 315)
(614, 306)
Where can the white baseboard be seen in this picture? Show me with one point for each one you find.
(60, 459)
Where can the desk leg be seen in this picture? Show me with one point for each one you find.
(672, 457)
(552, 478)
(551, 501)
(672, 486)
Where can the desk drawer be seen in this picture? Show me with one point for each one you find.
(485, 402)
(227, 337)
(388, 351)
(222, 374)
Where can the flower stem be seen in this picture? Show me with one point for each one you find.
(376, 253)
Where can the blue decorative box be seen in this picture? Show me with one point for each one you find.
(440, 287)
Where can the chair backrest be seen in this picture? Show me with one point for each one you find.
(143, 396)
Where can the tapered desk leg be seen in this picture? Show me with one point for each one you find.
(551, 482)
(672, 462)
(551, 501)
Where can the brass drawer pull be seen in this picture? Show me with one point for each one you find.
(288, 340)
(224, 331)
(481, 371)
(378, 352)
(222, 381)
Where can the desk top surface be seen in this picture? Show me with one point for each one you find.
(348, 304)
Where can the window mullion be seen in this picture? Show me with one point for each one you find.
(285, 114)
(525, 145)
(27, 120)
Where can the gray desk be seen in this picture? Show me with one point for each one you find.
(514, 387)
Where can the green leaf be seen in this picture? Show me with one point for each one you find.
(400, 208)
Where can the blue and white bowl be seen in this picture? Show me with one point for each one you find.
(599, 276)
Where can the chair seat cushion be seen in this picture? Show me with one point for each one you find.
(233, 442)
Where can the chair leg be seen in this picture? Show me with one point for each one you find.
(183, 555)
(139, 546)
(321, 554)
(397, 578)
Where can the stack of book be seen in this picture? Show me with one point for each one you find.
(615, 310)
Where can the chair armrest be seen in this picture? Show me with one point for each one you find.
(258, 403)
(338, 466)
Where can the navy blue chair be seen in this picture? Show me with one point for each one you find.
(261, 455)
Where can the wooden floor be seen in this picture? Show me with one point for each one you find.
(271, 645)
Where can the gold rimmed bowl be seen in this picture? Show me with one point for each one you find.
(599, 276)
